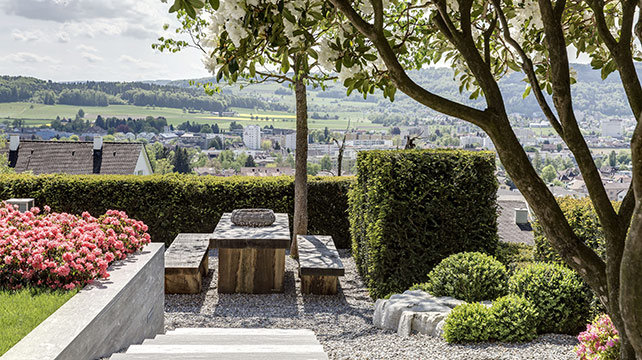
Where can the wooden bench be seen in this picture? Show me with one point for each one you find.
(186, 263)
(319, 264)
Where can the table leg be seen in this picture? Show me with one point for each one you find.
(251, 271)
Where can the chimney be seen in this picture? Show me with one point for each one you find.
(521, 216)
(98, 143)
(98, 154)
(14, 142)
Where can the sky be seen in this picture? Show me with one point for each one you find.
(101, 40)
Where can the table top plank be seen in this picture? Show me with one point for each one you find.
(230, 236)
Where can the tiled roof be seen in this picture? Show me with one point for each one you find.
(74, 157)
(507, 229)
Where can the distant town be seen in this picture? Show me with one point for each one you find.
(253, 150)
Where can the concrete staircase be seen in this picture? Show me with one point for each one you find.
(227, 344)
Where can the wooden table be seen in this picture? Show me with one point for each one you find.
(251, 260)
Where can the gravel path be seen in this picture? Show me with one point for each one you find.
(342, 323)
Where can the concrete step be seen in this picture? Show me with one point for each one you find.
(228, 344)
(240, 356)
(240, 331)
(189, 339)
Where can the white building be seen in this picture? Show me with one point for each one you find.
(290, 141)
(252, 136)
(612, 128)
(465, 141)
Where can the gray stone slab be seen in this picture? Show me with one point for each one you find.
(240, 331)
(247, 348)
(186, 251)
(319, 256)
(234, 356)
(413, 311)
(232, 340)
(106, 316)
(230, 236)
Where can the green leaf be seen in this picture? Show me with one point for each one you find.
(215, 4)
(526, 92)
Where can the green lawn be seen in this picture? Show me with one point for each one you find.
(21, 311)
(39, 114)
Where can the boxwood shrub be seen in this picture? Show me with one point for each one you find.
(171, 204)
(409, 209)
(558, 295)
(468, 322)
(510, 319)
(468, 276)
(583, 219)
(513, 319)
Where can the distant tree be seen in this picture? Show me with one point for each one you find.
(249, 162)
(326, 163)
(613, 159)
(549, 173)
(215, 129)
(313, 169)
(181, 161)
(81, 113)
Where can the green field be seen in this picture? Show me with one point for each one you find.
(22, 310)
(39, 114)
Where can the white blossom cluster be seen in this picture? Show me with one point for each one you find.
(527, 16)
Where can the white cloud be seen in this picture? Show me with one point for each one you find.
(86, 48)
(141, 64)
(26, 35)
(93, 58)
(62, 11)
(62, 37)
(25, 57)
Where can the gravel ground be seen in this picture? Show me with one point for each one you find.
(342, 323)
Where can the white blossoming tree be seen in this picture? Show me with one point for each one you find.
(262, 40)
(486, 39)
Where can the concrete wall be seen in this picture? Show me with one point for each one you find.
(106, 316)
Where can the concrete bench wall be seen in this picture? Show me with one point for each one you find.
(104, 317)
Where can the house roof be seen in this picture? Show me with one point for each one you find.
(71, 157)
(507, 229)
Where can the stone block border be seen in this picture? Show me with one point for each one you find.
(104, 317)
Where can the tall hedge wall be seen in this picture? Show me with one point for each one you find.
(412, 208)
(171, 204)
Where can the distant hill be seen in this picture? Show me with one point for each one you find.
(592, 95)
(90, 93)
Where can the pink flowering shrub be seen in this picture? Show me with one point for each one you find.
(60, 250)
(600, 341)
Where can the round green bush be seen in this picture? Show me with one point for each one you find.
(557, 293)
(468, 322)
(513, 319)
(468, 276)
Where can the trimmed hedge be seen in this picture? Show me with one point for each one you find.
(410, 209)
(171, 204)
(468, 322)
(585, 224)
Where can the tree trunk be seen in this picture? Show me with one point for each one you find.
(301, 168)
(339, 161)
(630, 279)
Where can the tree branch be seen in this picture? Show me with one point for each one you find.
(401, 79)
(527, 67)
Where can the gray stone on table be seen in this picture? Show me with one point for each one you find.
(230, 236)
(413, 310)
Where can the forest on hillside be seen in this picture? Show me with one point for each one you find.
(90, 93)
(592, 95)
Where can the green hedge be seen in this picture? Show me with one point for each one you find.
(171, 204)
(412, 208)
